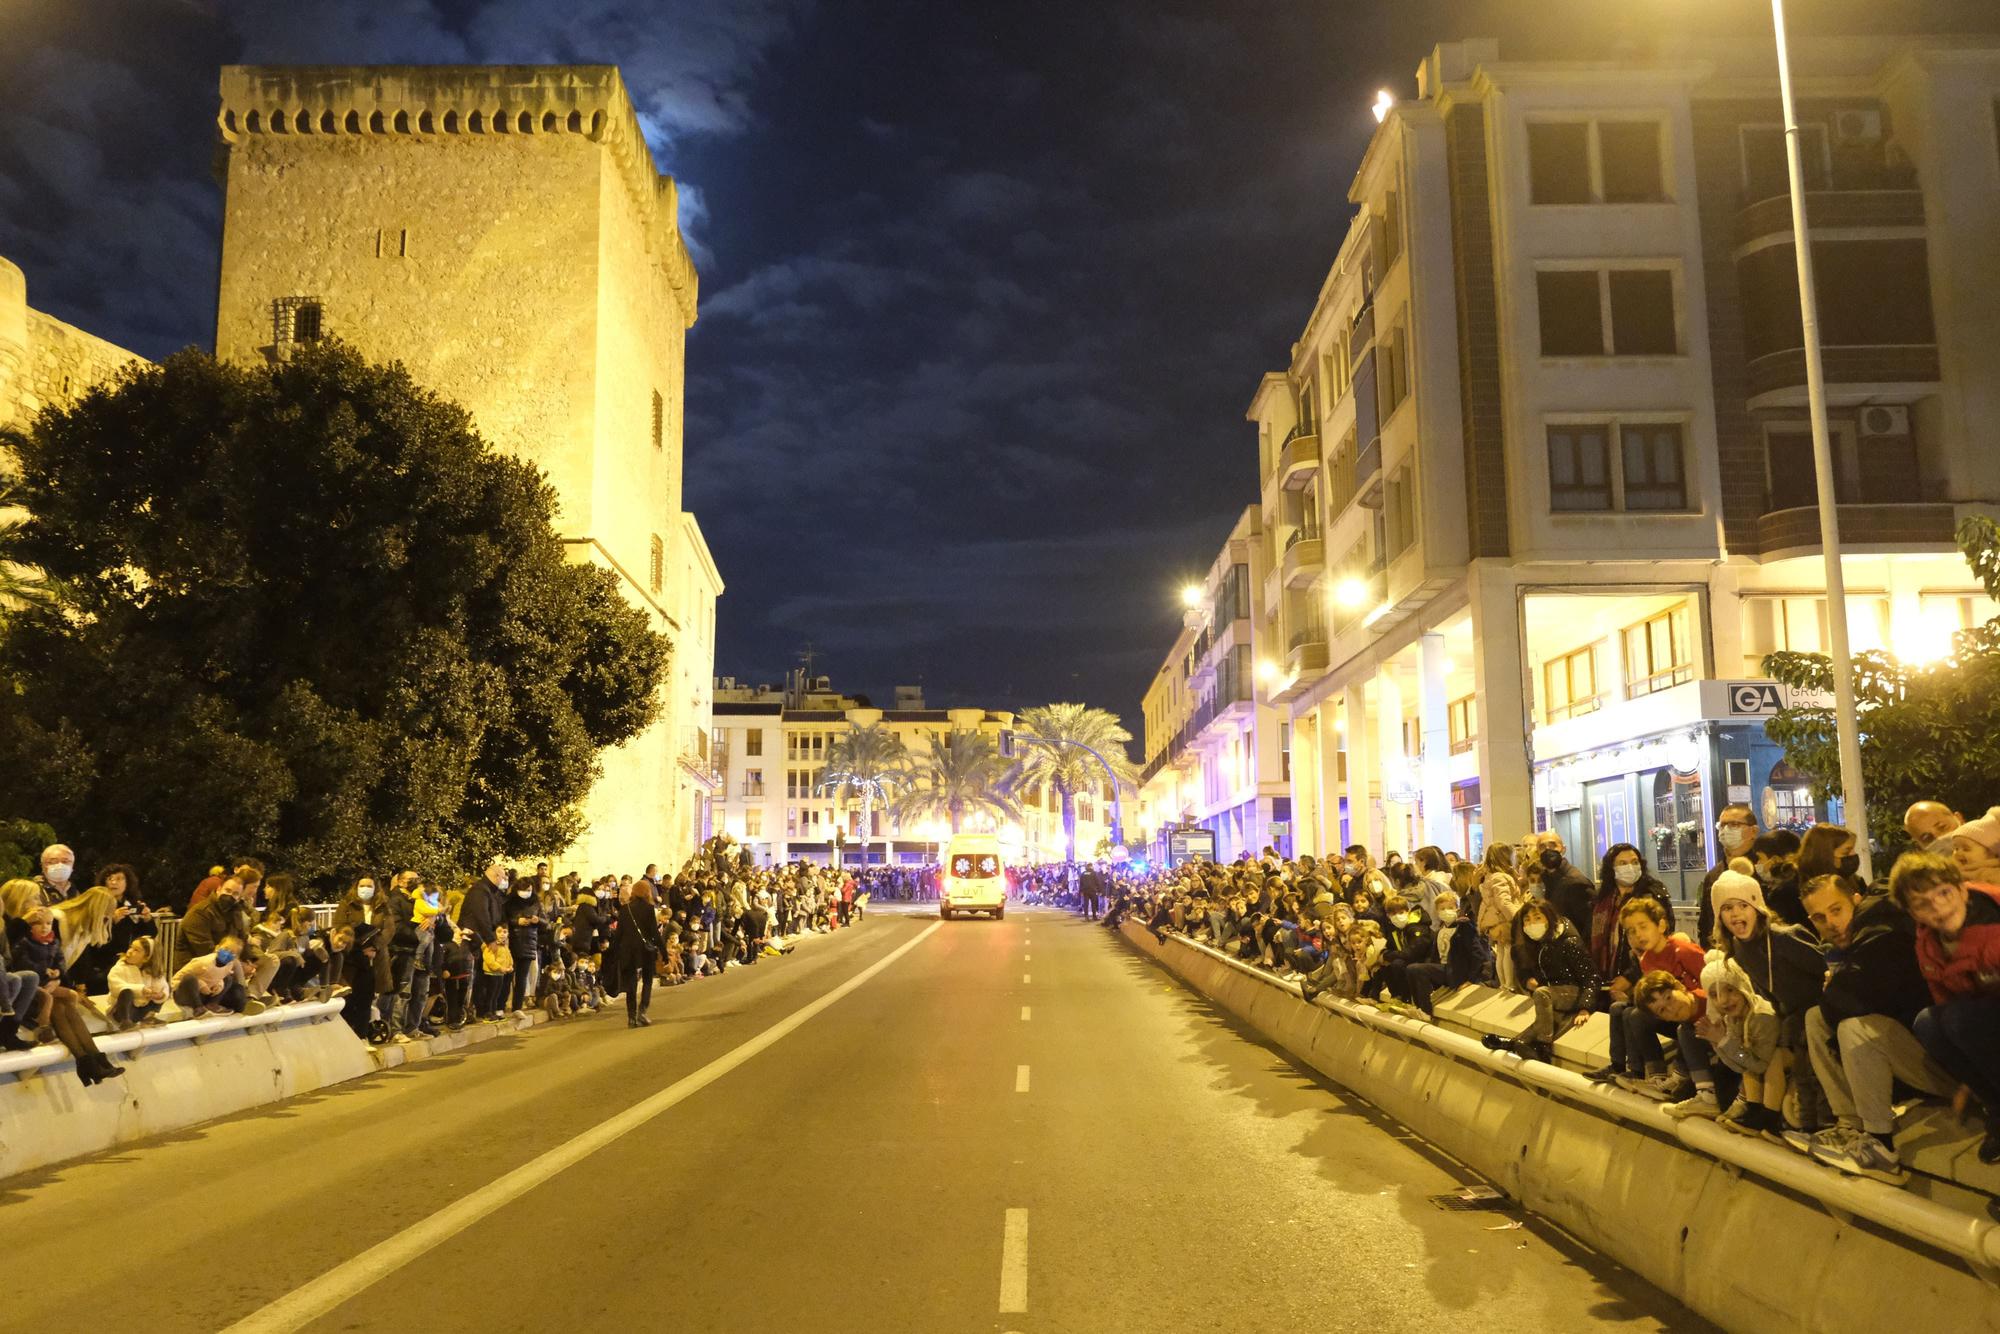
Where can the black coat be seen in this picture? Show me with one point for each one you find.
(1876, 971)
(523, 935)
(1570, 893)
(638, 938)
(481, 912)
(1561, 961)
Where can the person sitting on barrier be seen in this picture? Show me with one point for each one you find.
(1410, 968)
(83, 925)
(1958, 951)
(1621, 878)
(137, 986)
(1859, 1036)
(1464, 953)
(369, 967)
(1742, 1028)
(20, 995)
(55, 1010)
(1672, 1001)
(1558, 978)
(212, 983)
(220, 914)
(1638, 1063)
(1785, 966)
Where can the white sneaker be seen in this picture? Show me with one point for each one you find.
(1701, 1104)
(1861, 1154)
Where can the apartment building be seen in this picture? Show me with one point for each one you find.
(770, 749)
(1537, 481)
(1217, 749)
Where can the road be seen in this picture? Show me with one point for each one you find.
(967, 1117)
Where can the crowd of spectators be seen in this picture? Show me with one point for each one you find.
(1806, 1007)
(407, 957)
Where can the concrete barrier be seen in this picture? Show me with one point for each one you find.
(1752, 1236)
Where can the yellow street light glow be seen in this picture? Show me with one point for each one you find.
(1931, 640)
(1384, 100)
(1191, 595)
(1351, 591)
(1267, 671)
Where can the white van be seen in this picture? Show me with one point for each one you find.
(974, 879)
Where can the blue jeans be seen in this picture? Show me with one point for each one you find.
(1635, 1038)
(18, 990)
(1964, 1038)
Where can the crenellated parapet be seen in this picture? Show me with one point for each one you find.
(472, 102)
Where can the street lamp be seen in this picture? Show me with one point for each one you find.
(1191, 596)
(1847, 725)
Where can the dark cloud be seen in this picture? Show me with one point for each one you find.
(986, 286)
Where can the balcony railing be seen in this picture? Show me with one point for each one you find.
(1298, 459)
(1915, 525)
(1576, 708)
(1302, 561)
(1882, 197)
(1891, 363)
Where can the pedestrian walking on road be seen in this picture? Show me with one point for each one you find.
(637, 946)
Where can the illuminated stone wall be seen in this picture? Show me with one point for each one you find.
(44, 362)
(501, 231)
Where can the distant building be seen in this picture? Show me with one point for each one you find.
(501, 231)
(770, 747)
(44, 362)
(1537, 475)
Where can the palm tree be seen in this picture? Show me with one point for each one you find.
(21, 585)
(1056, 752)
(867, 762)
(959, 773)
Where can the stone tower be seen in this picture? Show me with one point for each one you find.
(501, 231)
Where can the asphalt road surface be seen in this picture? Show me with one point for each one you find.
(964, 1126)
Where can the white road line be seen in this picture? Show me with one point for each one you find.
(307, 1303)
(1020, 1079)
(1024, 1013)
(1014, 1263)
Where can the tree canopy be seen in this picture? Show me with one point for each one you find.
(958, 774)
(305, 612)
(1057, 752)
(1928, 730)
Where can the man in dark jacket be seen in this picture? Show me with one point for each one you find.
(480, 916)
(1568, 890)
(220, 914)
(1860, 1034)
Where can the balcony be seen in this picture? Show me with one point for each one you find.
(1795, 532)
(1888, 199)
(1304, 554)
(1780, 377)
(1307, 655)
(1298, 459)
(1368, 467)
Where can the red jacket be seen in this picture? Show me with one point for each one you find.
(1680, 957)
(1974, 967)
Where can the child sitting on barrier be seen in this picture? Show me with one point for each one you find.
(1463, 951)
(137, 986)
(1743, 1029)
(1670, 1001)
(1638, 1063)
(210, 984)
(1558, 976)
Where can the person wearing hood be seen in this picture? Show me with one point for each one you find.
(1558, 977)
(1958, 951)
(1860, 1037)
(365, 912)
(1565, 887)
(1785, 967)
(1741, 1029)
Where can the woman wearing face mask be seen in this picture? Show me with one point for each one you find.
(1557, 976)
(367, 913)
(524, 936)
(1621, 877)
(1828, 849)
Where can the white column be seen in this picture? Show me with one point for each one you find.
(1390, 761)
(1363, 813)
(1436, 731)
(1305, 786)
(1499, 661)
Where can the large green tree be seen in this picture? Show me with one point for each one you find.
(1059, 745)
(957, 774)
(1929, 730)
(865, 762)
(302, 611)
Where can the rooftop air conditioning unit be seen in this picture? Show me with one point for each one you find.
(1878, 422)
(1857, 127)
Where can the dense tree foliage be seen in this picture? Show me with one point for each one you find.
(958, 774)
(1059, 747)
(302, 611)
(1928, 730)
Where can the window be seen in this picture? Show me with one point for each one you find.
(1559, 162)
(1572, 315)
(1595, 162)
(753, 823)
(1569, 685)
(659, 420)
(1872, 293)
(1463, 718)
(1617, 312)
(1392, 231)
(1400, 510)
(659, 554)
(1613, 466)
(753, 743)
(1284, 752)
(1658, 653)
(1395, 371)
(791, 822)
(753, 782)
(296, 319)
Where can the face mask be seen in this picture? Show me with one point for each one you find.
(1734, 837)
(1551, 859)
(1850, 865)
(524, 893)
(1409, 919)
(59, 873)
(225, 957)
(504, 882)
(1446, 916)
(1628, 875)
(365, 893)
(1536, 930)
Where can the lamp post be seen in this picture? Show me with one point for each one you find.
(1847, 724)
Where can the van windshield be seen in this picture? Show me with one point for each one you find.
(971, 865)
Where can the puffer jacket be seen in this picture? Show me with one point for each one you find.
(1560, 960)
(1973, 968)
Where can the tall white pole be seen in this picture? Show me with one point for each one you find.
(1846, 722)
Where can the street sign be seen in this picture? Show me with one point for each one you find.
(1756, 699)
(1189, 844)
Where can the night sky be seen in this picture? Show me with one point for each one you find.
(986, 287)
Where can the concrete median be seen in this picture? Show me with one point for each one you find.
(1749, 1234)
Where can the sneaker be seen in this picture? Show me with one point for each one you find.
(1740, 1119)
(1609, 1074)
(1663, 1088)
(1701, 1104)
(1776, 1134)
(1862, 1154)
(254, 1007)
